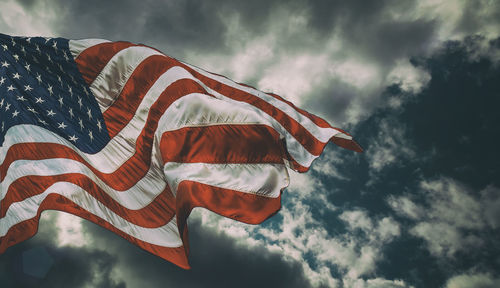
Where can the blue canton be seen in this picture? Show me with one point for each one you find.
(40, 85)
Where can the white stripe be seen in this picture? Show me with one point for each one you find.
(137, 197)
(108, 85)
(202, 110)
(194, 109)
(125, 62)
(119, 149)
(261, 179)
(122, 146)
(77, 46)
(167, 235)
(322, 134)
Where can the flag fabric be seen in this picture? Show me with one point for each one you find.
(131, 139)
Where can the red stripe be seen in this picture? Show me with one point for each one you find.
(144, 76)
(310, 143)
(244, 207)
(26, 229)
(158, 213)
(302, 135)
(222, 144)
(346, 143)
(320, 122)
(93, 59)
(134, 168)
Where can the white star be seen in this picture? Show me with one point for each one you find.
(5, 64)
(14, 114)
(7, 107)
(59, 79)
(27, 87)
(54, 45)
(27, 67)
(61, 125)
(60, 101)
(71, 112)
(38, 48)
(16, 76)
(99, 125)
(2, 80)
(70, 91)
(39, 100)
(11, 88)
(1, 103)
(50, 90)
(91, 136)
(39, 78)
(23, 50)
(5, 48)
(72, 79)
(28, 39)
(89, 112)
(16, 57)
(42, 121)
(13, 42)
(32, 110)
(73, 138)
(48, 58)
(80, 122)
(66, 56)
(50, 113)
(80, 102)
(21, 98)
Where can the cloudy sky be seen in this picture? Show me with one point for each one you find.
(416, 82)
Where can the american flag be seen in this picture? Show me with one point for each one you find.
(131, 139)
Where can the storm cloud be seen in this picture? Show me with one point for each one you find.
(416, 83)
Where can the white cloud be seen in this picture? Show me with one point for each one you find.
(16, 20)
(450, 14)
(354, 255)
(478, 280)
(450, 219)
(391, 146)
(490, 206)
(357, 219)
(404, 206)
(294, 76)
(70, 231)
(411, 79)
(375, 283)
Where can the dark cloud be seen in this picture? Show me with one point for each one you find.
(61, 266)
(197, 25)
(452, 126)
(477, 15)
(332, 100)
(370, 28)
(453, 132)
(216, 259)
(173, 26)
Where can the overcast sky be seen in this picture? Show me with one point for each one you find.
(416, 83)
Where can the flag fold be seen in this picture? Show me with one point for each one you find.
(131, 139)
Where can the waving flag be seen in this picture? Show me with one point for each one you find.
(131, 139)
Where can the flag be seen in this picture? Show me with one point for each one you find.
(131, 139)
